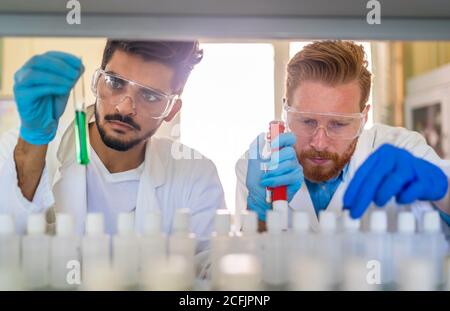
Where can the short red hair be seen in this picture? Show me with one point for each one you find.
(331, 62)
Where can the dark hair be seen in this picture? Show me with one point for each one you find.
(181, 56)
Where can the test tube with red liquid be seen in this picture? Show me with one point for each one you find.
(277, 195)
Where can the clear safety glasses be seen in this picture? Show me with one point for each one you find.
(113, 89)
(336, 126)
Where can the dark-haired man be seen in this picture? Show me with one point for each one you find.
(137, 88)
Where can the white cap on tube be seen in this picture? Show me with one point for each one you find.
(181, 220)
(282, 208)
(274, 222)
(6, 224)
(350, 224)
(64, 225)
(378, 221)
(249, 221)
(95, 224)
(222, 222)
(36, 224)
(406, 223)
(431, 222)
(152, 223)
(300, 221)
(125, 223)
(240, 271)
(327, 222)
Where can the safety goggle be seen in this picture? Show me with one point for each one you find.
(113, 89)
(336, 125)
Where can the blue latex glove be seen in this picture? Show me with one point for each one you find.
(393, 172)
(41, 89)
(284, 170)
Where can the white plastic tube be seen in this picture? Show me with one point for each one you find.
(404, 240)
(36, 253)
(95, 251)
(248, 240)
(300, 222)
(65, 266)
(416, 274)
(300, 236)
(357, 276)
(379, 245)
(353, 243)
(310, 273)
(9, 254)
(170, 274)
(328, 246)
(249, 220)
(125, 252)
(182, 241)
(432, 242)
(9, 243)
(239, 272)
(275, 242)
(152, 246)
(221, 243)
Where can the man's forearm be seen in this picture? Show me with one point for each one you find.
(30, 162)
(444, 203)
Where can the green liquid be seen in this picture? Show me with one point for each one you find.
(81, 137)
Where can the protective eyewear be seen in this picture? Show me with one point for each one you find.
(113, 89)
(336, 125)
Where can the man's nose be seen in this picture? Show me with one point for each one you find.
(319, 141)
(126, 106)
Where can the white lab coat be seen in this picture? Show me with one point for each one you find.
(368, 142)
(167, 183)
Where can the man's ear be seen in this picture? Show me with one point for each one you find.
(176, 107)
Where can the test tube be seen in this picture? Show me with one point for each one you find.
(265, 154)
(279, 194)
(80, 122)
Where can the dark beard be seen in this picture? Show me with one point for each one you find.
(318, 174)
(114, 143)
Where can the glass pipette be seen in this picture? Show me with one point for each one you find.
(81, 133)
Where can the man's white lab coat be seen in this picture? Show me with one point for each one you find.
(168, 182)
(368, 142)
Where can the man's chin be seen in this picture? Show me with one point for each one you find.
(319, 179)
(119, 135)
(318, 174)
(119, 142)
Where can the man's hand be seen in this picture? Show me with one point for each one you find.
(41, 90)
(393, 172)
(284, 170)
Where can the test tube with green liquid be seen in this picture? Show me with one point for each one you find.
(81, 134)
